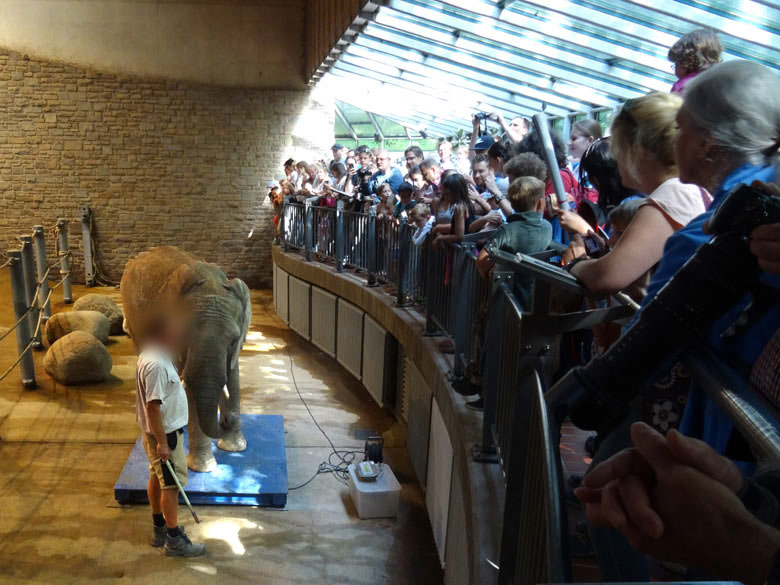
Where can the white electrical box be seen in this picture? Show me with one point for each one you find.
(376, 498)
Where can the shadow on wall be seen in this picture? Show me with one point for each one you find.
(158, 162)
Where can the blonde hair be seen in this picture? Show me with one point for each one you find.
(650, 123)
(697, 51)
(525, 192)
(420, 211)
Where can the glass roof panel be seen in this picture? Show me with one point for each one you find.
(428, 65)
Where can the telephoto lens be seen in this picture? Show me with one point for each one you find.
(711, 282)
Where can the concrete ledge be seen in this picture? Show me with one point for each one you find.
(482, 484)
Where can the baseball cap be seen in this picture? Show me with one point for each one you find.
(484, 142)
(336, 146)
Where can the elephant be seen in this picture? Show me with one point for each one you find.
(218, 311)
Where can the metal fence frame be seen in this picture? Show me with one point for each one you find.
(521, 426)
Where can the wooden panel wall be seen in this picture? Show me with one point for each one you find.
(326, 21)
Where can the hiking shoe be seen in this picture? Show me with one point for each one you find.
(159, 537)
(182, 546)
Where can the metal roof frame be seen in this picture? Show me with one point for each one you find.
(429, 64)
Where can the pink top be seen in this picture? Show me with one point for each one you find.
(679, 202)
(679, 85)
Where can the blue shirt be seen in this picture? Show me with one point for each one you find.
(394, 178)
(702, 418)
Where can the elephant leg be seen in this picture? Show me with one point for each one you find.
(200, 457)
(231, 438)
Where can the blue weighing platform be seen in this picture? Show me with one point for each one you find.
(256, 476)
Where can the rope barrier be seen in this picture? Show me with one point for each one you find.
(52, 288)
(43, 280)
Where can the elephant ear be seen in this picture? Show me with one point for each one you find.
(240, 290)
(182, 281)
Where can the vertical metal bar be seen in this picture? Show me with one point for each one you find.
(30, 286)
(39, 245)
(541, 125)
(308, 230)
(432, 292)
(23, 333)
(340, 236)
(64, 254)
(86, 235)
(372, 234)
(566, 127)
(286, 210)
(403, 260)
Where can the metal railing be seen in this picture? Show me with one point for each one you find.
(514, 348)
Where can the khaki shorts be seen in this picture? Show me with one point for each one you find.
(177, 458)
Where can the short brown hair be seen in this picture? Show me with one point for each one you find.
(697, 51)
(525, 192)
(526, 164)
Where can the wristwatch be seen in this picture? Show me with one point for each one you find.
(499, 198)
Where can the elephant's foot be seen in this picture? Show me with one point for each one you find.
(202, 461)
(232, 440)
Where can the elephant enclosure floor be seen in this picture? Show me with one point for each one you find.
(62, 449)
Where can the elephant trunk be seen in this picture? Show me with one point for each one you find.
(205, 376)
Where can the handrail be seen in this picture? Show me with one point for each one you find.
(755, 418)
(479, 236)
(538, 269)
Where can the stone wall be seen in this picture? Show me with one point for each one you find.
(158, 162)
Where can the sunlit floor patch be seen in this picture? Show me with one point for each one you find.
(227, 530)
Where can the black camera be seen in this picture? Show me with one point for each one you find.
(711, 282)
(481, 116)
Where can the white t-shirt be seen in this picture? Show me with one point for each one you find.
(679, 202)
(157, 379)
(422, 232)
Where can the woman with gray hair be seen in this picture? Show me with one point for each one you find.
(729, 135)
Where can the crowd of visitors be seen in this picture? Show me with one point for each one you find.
(638, 196)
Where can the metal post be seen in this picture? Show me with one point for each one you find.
(308, 229)
(64, 255)
(431, 290)
(340, 236)
(371, 263)
(23, 333)
(286, 210)
(541, 125)
(86, 235)
(30, 283)
(403, 261)
(43, 265)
